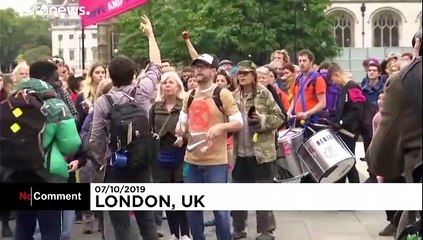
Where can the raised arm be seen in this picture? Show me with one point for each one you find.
(192, 52)
(148, 80)
(153, 48)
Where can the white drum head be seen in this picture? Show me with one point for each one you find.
(338, 171)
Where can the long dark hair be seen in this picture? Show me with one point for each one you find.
(254, 85)
(228, 79)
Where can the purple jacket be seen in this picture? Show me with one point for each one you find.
(98, 143)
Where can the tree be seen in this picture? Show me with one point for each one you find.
(21, 33)
(231, 29)
(33, 54)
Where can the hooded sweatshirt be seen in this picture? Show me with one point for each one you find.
(60, 131)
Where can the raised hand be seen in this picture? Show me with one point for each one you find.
(185, 35)
(145, 26)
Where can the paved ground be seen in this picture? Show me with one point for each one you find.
(311, 225)
(300, 226)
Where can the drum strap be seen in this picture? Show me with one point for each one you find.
(301, 92)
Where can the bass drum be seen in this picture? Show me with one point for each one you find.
(326, 157)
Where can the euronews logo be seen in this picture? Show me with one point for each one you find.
(59, 11)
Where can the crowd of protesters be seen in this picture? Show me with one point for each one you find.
(254, 102)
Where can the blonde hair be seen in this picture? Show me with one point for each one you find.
(17, 69)
(166, 76)
(88, 88)
(275, 64)
(263, 70)
(285, 55)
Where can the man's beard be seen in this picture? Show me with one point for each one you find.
(202, 78)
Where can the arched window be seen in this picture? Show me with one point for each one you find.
(343, 28)
(386, 25)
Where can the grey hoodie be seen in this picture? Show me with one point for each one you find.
(98, 143)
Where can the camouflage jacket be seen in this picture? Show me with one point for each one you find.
(271, 118)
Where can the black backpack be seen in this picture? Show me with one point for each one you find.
(129, 120)
(216, 98)
(22, 126)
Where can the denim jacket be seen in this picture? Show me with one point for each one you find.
(372, 93)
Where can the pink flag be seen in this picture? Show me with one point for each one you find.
(100, 10)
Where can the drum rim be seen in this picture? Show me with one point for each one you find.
(297, 133)
(354, 161)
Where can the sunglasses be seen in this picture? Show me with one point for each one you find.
(57, 60)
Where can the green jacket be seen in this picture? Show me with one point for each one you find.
(60, 136)
(271, 118)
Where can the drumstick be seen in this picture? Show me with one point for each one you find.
(347, 133)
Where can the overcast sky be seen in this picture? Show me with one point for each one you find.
(17, 5)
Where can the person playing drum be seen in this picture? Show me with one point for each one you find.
(351, 106)
(309, 91)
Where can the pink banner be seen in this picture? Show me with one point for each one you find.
(100, 10)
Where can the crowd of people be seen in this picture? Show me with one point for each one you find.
(210, 122)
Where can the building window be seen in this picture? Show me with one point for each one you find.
(343, 28)
(61, 52)
(386, 25)
(70, 36)
(71, 54)
(94, 35)
(94, 52)
(60, 37)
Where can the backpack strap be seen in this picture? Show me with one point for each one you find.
(301, 93)
(129, 96)
(217, 100)
(190, 98)
(109, 100)
(152, 120)
(133, 92)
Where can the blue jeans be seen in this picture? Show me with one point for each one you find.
(49, 222)
(208, 174)
(68, 220)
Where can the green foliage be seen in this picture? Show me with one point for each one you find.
(230, 29)
(22, 34)
(36, 53)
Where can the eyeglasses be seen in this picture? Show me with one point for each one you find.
(200, 67)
